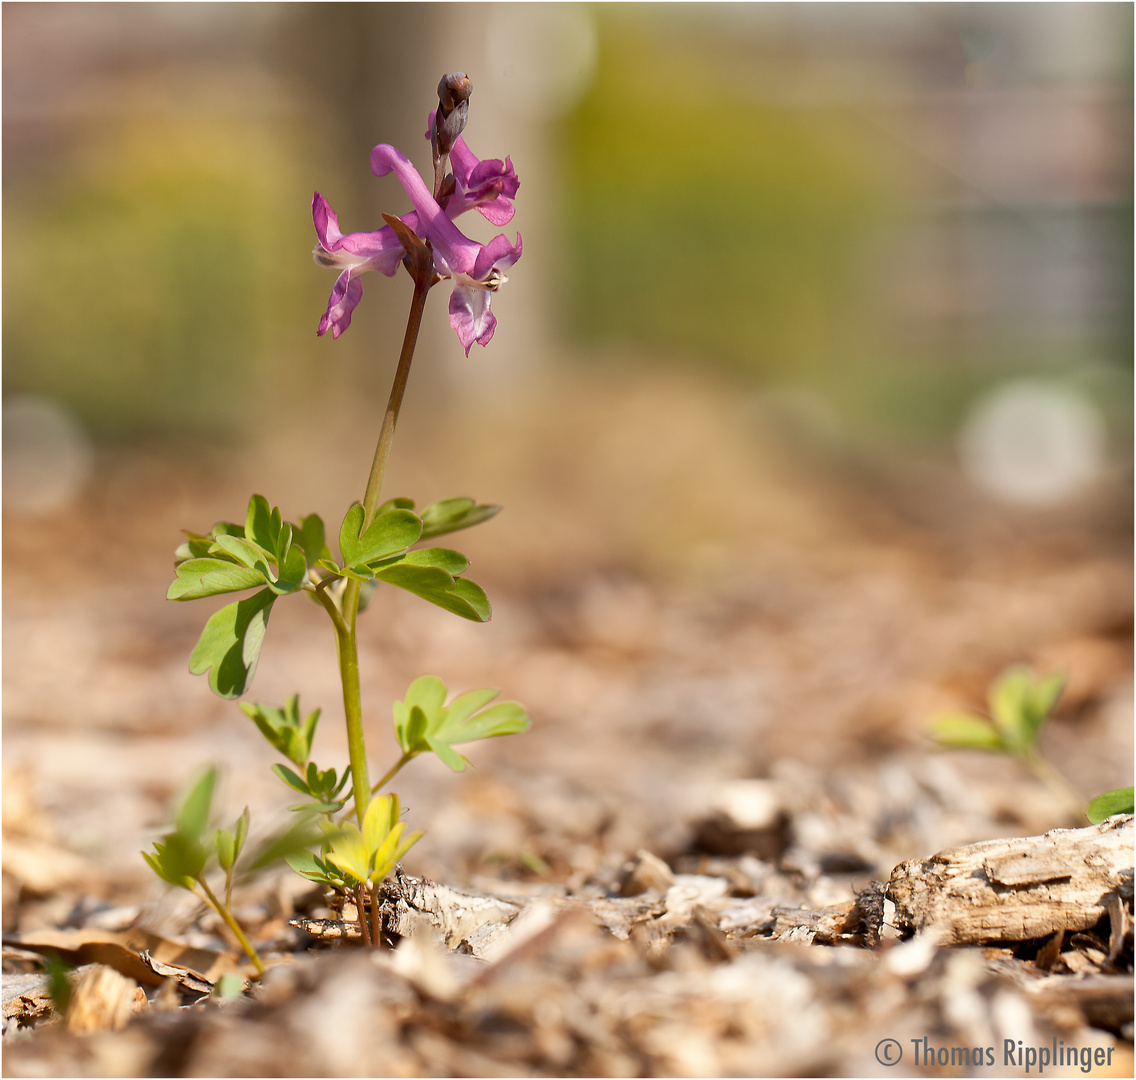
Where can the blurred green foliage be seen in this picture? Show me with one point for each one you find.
(704, 219)
(148, 283)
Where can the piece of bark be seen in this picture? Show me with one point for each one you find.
(103, 999)
(1017, 889)
(27, 997)
(455, 914)
(405, 902)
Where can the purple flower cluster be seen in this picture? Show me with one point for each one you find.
(476, 270)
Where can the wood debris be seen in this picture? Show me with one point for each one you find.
(1018, 889)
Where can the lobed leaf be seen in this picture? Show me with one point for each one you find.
(284, 729)
(422, 721)
(348, 852)
(450, 515)
(396, 504)
(315, 869)
(229, 646)
(312, 538)
(292, 780)
(457, 595)
(263, 523)
(381, 817)
(198, 578)
(1020, 705)
(390, 532)
(246, 553)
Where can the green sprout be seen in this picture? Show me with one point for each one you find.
(1020, 704)
(184, 855)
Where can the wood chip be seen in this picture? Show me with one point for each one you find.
(1017, 889)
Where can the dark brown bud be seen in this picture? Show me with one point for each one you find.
(453, 110)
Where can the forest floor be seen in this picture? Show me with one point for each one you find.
(730, 659)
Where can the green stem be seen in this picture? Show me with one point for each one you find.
(348, 653)
(345, 639)
(1051, 776)
(394, 403)
(390, 773)
(321, 594)
(232, 925)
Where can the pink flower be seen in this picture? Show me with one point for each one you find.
(476, 270)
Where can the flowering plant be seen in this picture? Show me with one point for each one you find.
(378, 544)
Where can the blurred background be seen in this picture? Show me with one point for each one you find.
(812, 392)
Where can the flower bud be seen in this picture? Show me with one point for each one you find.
(453, 110)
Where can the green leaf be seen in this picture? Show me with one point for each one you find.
(450, 757)
(415, 731)
(381, 817)
(226, 848)
(1020, 705)
(193, 815)
(396, 504)
(1105, 806)
(180, 860)
(240, 833)
(452, 562)
(1042, 700)
(198, 544)
(230, 644)
(168, 874)
(449, 515)
(395, 857)
(292, 780)
(284, 729)
(315, 869)
(1009, 702)
(508, 718)
(262, 523)
(966, 730)
(348, 852)
(390, 532)
(246, 553)
(428, 692)
(293, 569)
(457, 595)
(312, 538)
(423, 721)
(289, 560)
(197, 578)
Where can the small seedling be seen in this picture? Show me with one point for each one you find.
(1020, 704)
(269, 558)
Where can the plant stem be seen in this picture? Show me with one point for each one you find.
(393, 769)
(394, 404)
(1051, 776)
(364, 927)
(345, 639)
(375, 921)
(321, 594)
(233, 925)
